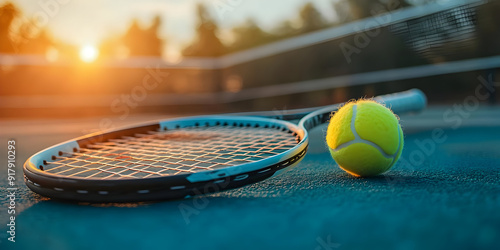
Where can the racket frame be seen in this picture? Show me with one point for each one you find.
(167, 187)
(187, 185)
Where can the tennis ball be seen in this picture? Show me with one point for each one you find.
(364, 138)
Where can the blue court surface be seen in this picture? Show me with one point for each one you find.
(443, 194)
(64, 75)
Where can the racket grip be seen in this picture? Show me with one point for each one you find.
(413, 100)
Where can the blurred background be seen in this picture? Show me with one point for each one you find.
(72, 67)
(78, 58)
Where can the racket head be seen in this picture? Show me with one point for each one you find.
(94, 168)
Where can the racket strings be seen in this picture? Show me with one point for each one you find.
(173, 152)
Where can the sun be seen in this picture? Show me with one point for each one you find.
(88, 53)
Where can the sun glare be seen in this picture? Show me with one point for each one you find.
(88, 53)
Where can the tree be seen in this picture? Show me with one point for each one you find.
(144, 41)
(248, 35)
(27, 38)
(311, 19)
(31, 40)
(342, 9)
(284, 29)
(206, 44)
(8, 13)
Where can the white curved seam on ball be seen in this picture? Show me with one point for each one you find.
(399, 147)
(358, 139)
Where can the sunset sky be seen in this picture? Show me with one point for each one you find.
(87, 22)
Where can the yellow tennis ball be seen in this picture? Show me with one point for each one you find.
(365, 138)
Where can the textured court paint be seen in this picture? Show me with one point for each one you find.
(448, 201)
(377, 138)
(343, 118)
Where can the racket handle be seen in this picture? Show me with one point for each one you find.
(412, 100)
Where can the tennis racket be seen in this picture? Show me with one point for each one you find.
(183, 157)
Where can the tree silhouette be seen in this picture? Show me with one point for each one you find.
(28, 38)
(248, 35)
(311, 19)
(8, 13)
(284, 29)
(342, 9)
(206, 44)
(33, 41)
(144, 42)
